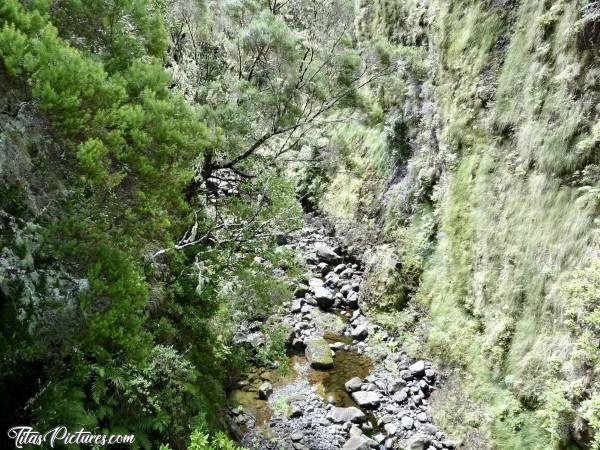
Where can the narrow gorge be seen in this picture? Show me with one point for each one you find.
(301, 224)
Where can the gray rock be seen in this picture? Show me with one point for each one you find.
(345, 290)
(315, 283)
(357, 443)
(360, 332)
(379, 438)
(390, 428)
(318, 354)
(352, 300)
(406, 375)
(353, 384)
(367, 399)
(251, 339)
(396, 385)
(429, 428)
(296, 306)
(339, 268)
(385, 419)
(422, 417)
(416, 443)
(323, 297)
(355, 430)
(325, 253)
(407, 423)
(265, 390)
(323, 268)
(342, 415)
(337, 346)
(297, 436)
(347, 273)
(430, 373)
(400, 396)
(417, 368)
(294, 411)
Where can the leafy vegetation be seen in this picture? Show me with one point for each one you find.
(130, 286)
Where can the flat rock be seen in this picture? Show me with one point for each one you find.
(342, 415)
(318, 354)
(366, 399)
(417, 368)
(353, 384)
(357, 443)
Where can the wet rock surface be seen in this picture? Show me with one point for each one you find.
(347, 388)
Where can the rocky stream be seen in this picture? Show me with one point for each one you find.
(349, 386)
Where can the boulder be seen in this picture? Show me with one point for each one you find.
(339, 268)
(407, 423)
(297, 436)
(326, 254)
(315, 283)
(265, 390)
(366, 399)
(343, 415)
(360, 332)
(318, 354)
(323, 297)
(296, 306)
(323, 268)
(353, 384)
(347, 273)
(352, 300)
(400, 396)
(390, 428)
(252, 340)
(417, 368)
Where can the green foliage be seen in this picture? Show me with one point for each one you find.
(202, 441)
(274, 352)
(583, 313)
(556, 413)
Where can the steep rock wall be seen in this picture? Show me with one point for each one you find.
(483, 182)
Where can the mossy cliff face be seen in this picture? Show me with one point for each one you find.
(482, 180)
